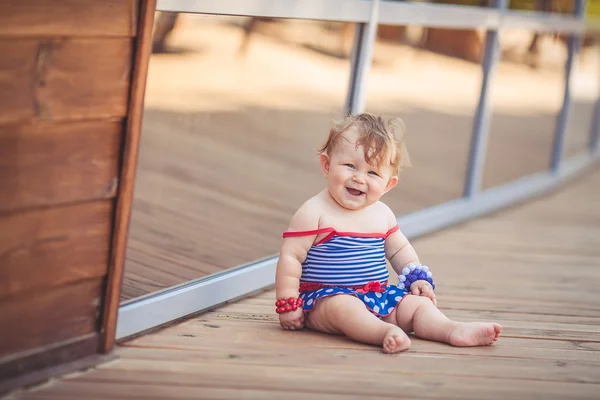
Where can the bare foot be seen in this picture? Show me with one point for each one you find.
(467, 334)
(395, 340)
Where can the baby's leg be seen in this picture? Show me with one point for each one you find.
(419, 315)
(344, 314)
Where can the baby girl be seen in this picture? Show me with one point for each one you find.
(331, 274)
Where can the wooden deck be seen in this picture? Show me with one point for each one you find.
(227, 158)
(534, 268)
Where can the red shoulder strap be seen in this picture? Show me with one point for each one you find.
(394, 229)
(307, 233)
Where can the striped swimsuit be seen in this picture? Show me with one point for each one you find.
(348, 263)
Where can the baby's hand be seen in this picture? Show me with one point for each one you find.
(423, 288)
(292, 320)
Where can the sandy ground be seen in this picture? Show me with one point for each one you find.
(229, 139)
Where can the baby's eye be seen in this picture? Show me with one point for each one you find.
(349, 165)
(373, 173)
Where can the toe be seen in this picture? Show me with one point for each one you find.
(497, 330)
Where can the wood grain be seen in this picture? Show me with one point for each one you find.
(17, 78)
(67, 18)
(48, 316)
(44, 248)
(549, 347)
(45, 164)
(133, 131)
(64, 79)
(65, 74)
(15, 370)
(84, 78)
(400, 389)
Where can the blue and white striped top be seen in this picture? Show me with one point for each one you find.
(345, 258)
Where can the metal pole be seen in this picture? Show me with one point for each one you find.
(354, 66)
(558, 144)
(362, 57)
(481, 125)
(595, 128)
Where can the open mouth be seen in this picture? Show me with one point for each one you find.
(354, 192)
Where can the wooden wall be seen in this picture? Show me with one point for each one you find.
(72, 74)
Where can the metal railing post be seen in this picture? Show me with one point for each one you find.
(481, 124)
(595, 128)
(361, 59)
(558, 144)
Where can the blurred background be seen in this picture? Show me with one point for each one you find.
(236, 107)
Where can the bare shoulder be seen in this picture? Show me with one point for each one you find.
(308, 216)
(386, 213)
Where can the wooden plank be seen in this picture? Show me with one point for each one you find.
(255, 332)
(535, 309)
(239, 343)
(511, 329)
(126, 391)
(48, 316)
(586, 323)
(133, 131)
(17, 77)
(84, 78)
(481, 362)
(314, 380)
(49, 247)
(45, 164)
(67, 18)
(64, 79)
(17, 371)
(184, 390)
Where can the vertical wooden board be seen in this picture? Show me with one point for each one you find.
(130, 157)
(48, 316)
(52, 163)
(50, 247)
(83, 78)
(68, 18)
(17, 78)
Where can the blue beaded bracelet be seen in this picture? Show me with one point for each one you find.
(414, 272)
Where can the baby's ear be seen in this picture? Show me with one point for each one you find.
(325, 164)
(392, 182)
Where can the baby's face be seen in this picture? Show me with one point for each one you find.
(352, 182)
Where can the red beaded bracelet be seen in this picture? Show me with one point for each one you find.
(284, 306)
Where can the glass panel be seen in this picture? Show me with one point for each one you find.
(517, 5)
(562, 6)
(235, 109)
(584, 92)
(527, 95)
(436, 93)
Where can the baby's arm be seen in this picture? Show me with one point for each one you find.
(398, 249)
(400, 253)
(289, 267)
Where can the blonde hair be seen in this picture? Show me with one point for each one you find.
(379, 138)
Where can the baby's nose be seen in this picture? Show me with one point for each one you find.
(358, 179)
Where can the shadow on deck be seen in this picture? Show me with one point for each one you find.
(534, 268)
